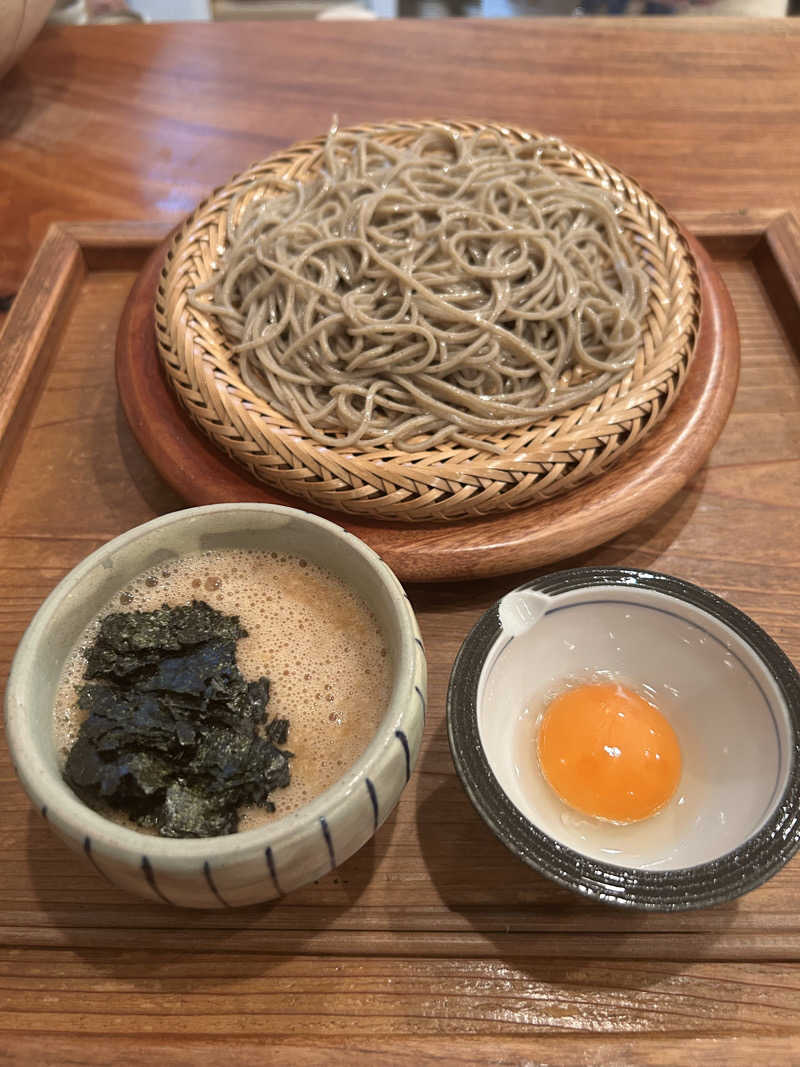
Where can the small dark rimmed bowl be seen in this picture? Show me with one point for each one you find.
(729, 691)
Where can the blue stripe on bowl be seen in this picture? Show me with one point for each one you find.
(373, 796)
(422, 699)
(419, 642)
(212, 886)
(272, 871)
(87, 849)
(328, 841)
(401, 737)
(44, 811)
(151, 879)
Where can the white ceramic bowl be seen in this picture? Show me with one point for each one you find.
(255, 865)
(729, 692)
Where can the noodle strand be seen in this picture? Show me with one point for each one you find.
(434, 294)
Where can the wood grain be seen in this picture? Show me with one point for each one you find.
(188, 106)
(30, 333)
(431, 944)
(566, 1050)
(777, 259)
(198, 996)
(434, 889)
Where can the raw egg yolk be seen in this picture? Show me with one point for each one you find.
(608, 753)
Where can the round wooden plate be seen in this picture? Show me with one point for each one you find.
(474, 548)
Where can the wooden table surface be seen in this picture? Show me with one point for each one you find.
(432, 942)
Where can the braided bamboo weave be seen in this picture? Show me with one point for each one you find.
(447, 482)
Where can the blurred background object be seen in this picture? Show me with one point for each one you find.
(81, 12)
(511, 8)
(20, 21)
(225, 10)
(243, 10)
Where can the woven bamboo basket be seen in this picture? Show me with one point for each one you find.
(447, 482)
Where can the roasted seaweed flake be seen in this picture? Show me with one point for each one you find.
(175, 737)
(132, 641)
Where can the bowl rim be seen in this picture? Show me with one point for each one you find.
(736, 872)
(61, 807)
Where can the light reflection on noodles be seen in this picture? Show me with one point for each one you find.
(438, 293)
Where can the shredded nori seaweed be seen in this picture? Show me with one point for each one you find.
(175, 737)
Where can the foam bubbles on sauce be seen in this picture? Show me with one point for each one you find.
(314, 638)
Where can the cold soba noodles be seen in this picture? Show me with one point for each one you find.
(437, 293)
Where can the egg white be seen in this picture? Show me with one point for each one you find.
(649, 843)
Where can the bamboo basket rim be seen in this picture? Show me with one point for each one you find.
(448, 482)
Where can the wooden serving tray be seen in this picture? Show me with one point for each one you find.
(499, 543)
(433, 934)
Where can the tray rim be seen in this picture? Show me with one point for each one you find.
(771, 239)
(708, 941)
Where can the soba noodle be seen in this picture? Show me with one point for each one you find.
(438, 293)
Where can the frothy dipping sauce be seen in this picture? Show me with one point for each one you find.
(313, 637)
